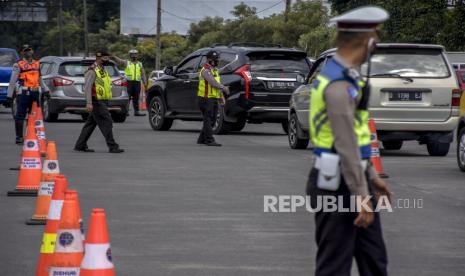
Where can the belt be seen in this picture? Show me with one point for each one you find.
(316, 164)
(32, 89)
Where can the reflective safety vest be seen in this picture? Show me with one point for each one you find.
(132, 71)
(320, 127)
(102, 84)
(205, 89)
(29, 73)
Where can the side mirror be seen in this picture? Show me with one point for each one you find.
(300, 78)
(168, 70)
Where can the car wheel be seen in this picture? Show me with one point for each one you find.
(221, 126)
(293, 134)
(239, 125)
(438, 149)
(118, 117)
(461, 149)
(48, 116)
(157, 112)
(392, 145)
(285, 126)
(84, 116)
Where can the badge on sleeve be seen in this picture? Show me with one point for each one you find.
(353, 93)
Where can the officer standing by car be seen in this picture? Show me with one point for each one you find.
(27, 71)
(341, 137)
(135, 75)
(97, 88)
(210, 95)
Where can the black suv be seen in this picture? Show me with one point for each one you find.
(261, 79)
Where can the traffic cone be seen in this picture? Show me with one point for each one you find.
(53, 220)
(50, 170)
(375, 155)
(143, 101)
(40, 130)
(97, 258)
(31, 165)
(33, 111)
(74, 195)
(69, 247)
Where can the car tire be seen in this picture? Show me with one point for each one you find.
(461, 149)
(157, 112)
(118, 117)
(438, 149)
(285, 126)
(239, 125)
(392, 145)
(221, 126)
(84, 116)
(48, 116)
(295, 142)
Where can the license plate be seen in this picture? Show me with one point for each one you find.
(405, 96)
(280, 84)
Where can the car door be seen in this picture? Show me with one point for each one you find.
(302, 95)
(180, 90)
(45, 70)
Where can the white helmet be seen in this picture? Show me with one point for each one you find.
(133, 51)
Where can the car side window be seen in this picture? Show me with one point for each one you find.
(225, 59)
(190, 66)
(44, 68)
(315, 70)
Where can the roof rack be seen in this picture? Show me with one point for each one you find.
(218, 44)
(253, 44)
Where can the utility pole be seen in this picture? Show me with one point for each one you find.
(60, 25)
(158, 53)
(287, 10)
(86, 42)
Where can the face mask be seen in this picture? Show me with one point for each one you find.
(133, 58)
(214, 62)
(29, 54)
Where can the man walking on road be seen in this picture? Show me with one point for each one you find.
(135, 74)
(341, 137)
(97, 88)
(27, 71)
(209, 95)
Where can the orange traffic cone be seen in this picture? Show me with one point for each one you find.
(143, 101)
(69, 247)
(31, 165)
(51, 228)
(50, 170)
(97, 258)
(33, 111)
(375, 155)
(40, 130)
(74, 195)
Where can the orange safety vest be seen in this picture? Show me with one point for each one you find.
(29, 73)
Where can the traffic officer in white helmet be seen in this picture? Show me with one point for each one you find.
(341, 138)
(135, 75)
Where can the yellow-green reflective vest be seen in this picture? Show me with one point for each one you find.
(102, 84)
(320, 127)
(205, 89)
(132, 71)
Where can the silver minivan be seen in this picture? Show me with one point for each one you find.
(63, 78)
(415, 96)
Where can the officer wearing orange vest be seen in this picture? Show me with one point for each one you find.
(27, 73)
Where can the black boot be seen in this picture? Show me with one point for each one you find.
(19, 125)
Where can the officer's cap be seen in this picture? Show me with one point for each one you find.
(133, 52)
(102, 54)
(212, 55)
(363, 19)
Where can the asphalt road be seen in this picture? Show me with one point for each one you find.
(177, 208)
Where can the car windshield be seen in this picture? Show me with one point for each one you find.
(279, 62)
(7, 58)
(77, 69)
(413, 63)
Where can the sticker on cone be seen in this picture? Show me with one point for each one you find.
(375, 154)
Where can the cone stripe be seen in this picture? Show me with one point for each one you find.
(51, 166)
(69, 241)
(64, 271)
(30, 145)
(46, 188)
(54, 213)
(98, 256)
(48, 243)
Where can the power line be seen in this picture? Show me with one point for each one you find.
(177, 16)
(270, 7)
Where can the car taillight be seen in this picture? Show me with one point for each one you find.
(120, 82)
(456, 94)
(59, 81)
(244, 72)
